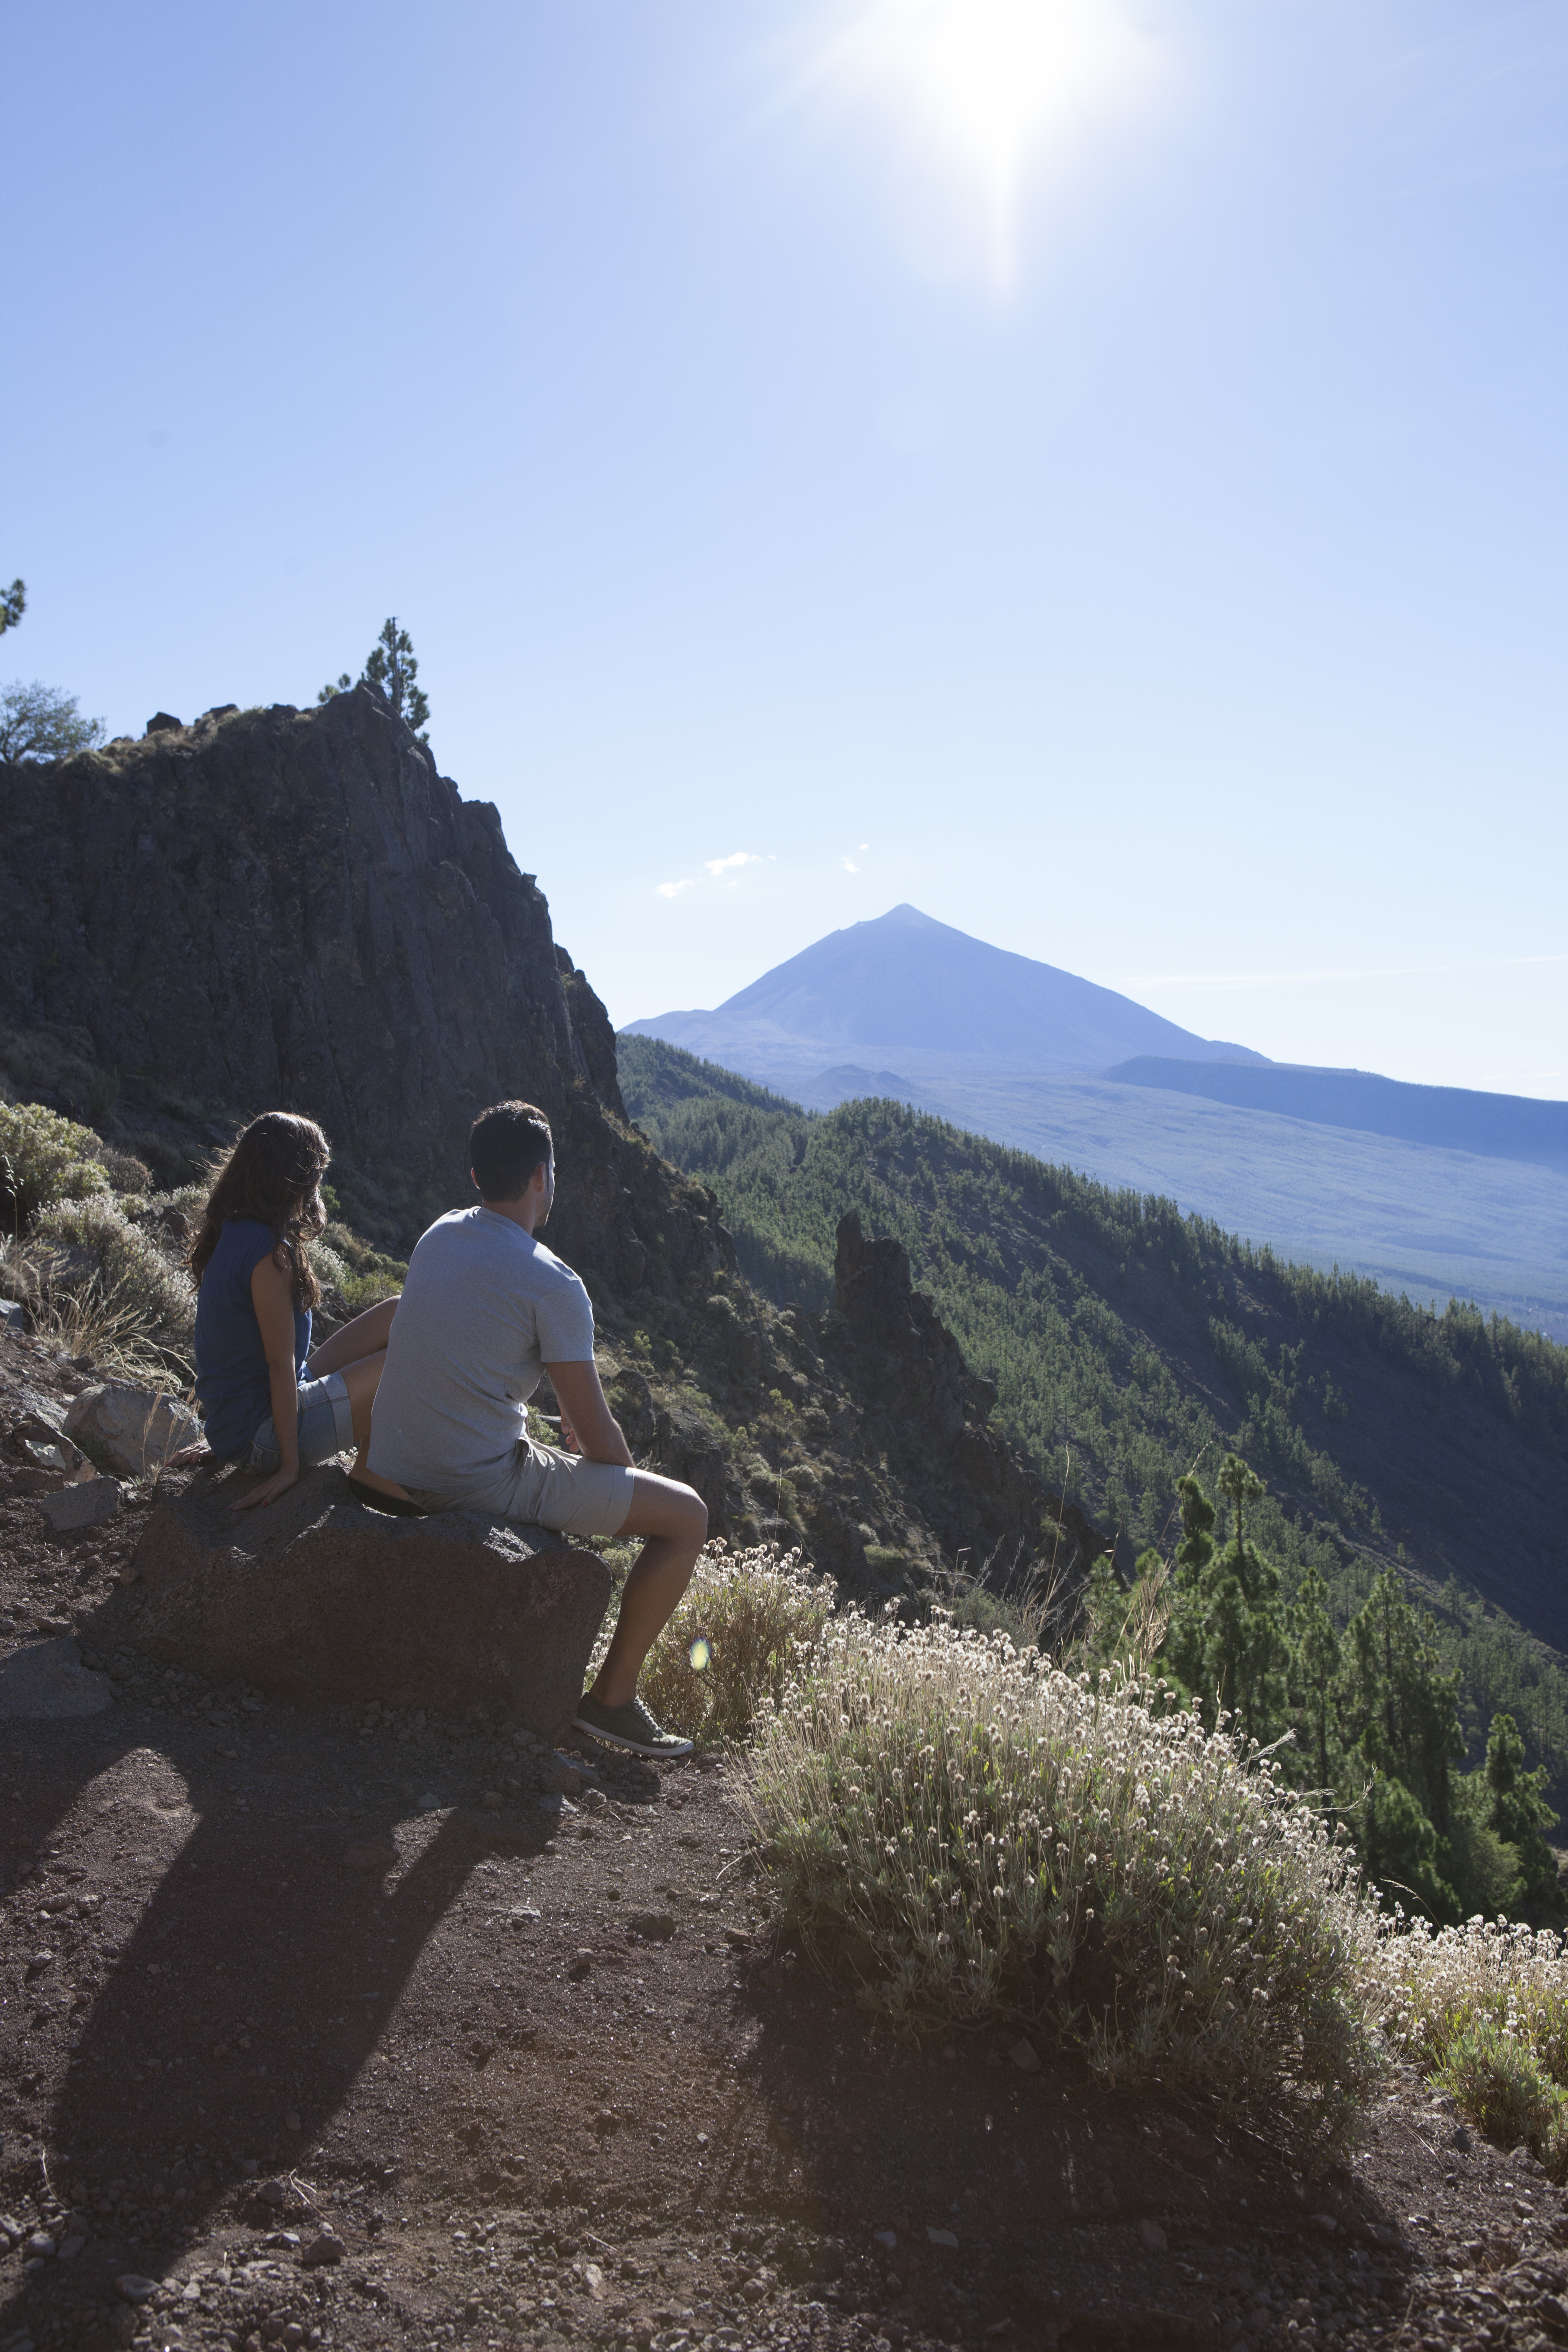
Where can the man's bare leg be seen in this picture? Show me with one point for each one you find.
(674, 1522)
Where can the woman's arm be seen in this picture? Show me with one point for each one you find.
(272, 1295)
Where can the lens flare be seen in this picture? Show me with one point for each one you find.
(699, 1653)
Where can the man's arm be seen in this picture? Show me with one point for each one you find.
(586, 1416)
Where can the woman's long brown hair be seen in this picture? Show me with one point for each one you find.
(273, 1174)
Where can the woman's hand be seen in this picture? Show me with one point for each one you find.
(269, 1490)
(568, 1436)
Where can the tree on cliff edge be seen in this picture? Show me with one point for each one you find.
(39, 723)
(393, 667)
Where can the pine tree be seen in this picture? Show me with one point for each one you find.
(13, 604)
(1518, 1814)
(1227, 1639)
(1314, 1667)
(391, 666)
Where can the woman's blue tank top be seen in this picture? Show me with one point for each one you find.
(233, 1389)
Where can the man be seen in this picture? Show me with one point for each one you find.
(487, 1310)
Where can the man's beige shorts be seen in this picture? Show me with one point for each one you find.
(549, 1489)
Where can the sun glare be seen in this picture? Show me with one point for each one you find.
(994, 85)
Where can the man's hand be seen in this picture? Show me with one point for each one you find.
(587, 1426)
(269, 1490)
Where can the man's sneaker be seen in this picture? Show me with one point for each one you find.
(629, 1726)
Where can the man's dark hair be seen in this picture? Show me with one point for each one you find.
(506, 1144)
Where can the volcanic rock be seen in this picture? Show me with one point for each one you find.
(137, 1427)
(316, 1597)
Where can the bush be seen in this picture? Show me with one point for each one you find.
(1471, 2005)
(134, 1284)
(747, 1621)
(42, 1158)
(1499, 2084)
(998, 1841)
(125, 1171)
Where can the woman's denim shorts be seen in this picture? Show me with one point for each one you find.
(326, 1427)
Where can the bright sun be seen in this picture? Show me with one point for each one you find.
(993, 82)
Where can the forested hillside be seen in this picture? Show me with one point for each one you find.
(1129, 1344)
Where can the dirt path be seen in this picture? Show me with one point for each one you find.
(318, 2031)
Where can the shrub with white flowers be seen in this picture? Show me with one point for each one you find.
(994, 1839)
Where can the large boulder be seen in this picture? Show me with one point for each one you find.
(316, 1597)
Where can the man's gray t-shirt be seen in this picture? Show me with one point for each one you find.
(485, 1307)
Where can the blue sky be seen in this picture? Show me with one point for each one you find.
(1094, 470)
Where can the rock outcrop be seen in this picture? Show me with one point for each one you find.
(292, 906)
(928, 1416)
(315, 1597)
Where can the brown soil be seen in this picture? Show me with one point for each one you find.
(546, 2079)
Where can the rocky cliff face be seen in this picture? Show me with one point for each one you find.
(287, 907)
(292, 906)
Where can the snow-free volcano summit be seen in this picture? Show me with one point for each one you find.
(942, 1000)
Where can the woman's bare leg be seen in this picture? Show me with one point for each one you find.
(365, 1336)
(674, 1521)
(361, 1380)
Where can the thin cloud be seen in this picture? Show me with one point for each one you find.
(1292, 978)
(850, 865)
(722, 869)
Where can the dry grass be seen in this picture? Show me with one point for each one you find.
(994, 1839)
(126, 1296)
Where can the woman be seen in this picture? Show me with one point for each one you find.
(264, 1399)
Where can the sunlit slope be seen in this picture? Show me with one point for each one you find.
(1440, 1223)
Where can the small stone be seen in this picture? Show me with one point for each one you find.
(89, 1505)
(1024, 2056)
(942, 2237)
(429, 1802)
(887, 2238)
(655, 1926)
(491, 1801)
(1553, 2310)
(291, 2121)
(1154, 2237)
(1325, 2223)
(273, 2192)
(1462, 2139)
(592, 2278)
(46, 1681)
(71, 2247)
(581, 1965)
(555, 1804)
(40, 2242)
(135, 2288)
(322, 2250)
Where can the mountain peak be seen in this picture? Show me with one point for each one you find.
(903, 982)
